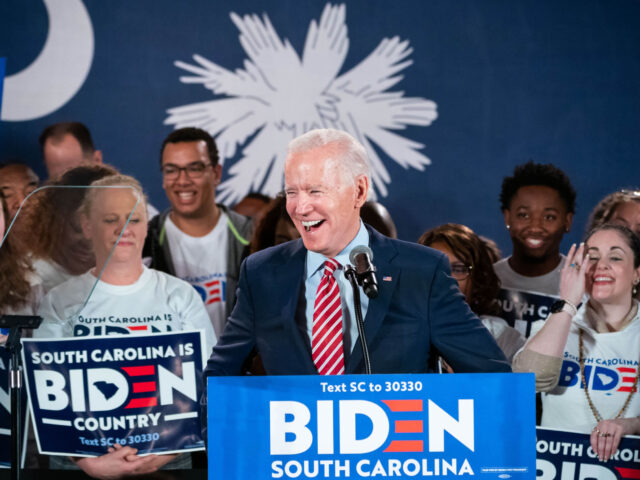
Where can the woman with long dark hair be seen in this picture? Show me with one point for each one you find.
(471, 266)
(49, 223)
(21, 289)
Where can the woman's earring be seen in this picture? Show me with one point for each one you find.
(635, 288)
(508, 227)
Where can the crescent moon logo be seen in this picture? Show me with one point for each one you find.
(60, 69)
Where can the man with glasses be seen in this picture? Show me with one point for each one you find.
(196, 239)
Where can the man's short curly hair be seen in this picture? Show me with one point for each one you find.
(547, 175)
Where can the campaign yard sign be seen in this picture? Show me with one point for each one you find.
(565, 455)
(5, 412)
(142, 391)
(361, 426)
(524, 311)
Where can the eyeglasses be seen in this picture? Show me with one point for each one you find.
(631, 193)
(460, 271)
(193, 170)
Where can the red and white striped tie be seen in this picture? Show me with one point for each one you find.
(326, 335)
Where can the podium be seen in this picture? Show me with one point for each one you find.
(361, 426)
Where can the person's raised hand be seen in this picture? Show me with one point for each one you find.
(572, 278)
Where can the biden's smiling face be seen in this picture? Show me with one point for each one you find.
(323, 199)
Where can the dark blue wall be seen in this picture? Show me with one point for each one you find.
(513, 80)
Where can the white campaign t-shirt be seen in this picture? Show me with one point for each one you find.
(155, 303)
(610, 367)
(508, 338)
(51, 273)
(547, 284)
(202, 261)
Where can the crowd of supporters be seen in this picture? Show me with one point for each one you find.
(59, 240)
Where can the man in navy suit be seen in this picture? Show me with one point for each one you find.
(418, 308)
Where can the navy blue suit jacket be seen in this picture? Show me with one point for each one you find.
(418, 306)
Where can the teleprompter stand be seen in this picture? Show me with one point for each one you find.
(15, 324)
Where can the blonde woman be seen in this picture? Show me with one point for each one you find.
(114, 219)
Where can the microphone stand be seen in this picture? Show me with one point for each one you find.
(352, 276)
(16, 323)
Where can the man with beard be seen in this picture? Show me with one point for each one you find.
(538, 204)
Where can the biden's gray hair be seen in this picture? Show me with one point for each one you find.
(354, 157)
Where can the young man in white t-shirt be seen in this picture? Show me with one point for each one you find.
(196, 239)
(538, 203)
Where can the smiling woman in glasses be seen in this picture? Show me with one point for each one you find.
(471, 267)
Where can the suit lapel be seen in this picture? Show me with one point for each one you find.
(290, 281)
(387, 275)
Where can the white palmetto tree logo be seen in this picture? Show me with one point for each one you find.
(280, 96)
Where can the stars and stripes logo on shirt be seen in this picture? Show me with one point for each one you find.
(212, 291)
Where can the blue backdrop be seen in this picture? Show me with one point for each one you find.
(510, 81)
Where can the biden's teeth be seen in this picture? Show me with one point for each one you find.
(307, 225)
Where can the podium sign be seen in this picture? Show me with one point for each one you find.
(524, 311)
(140, 391)
(562, 455)
(357, 426)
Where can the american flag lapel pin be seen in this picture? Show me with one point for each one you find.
(386, 278)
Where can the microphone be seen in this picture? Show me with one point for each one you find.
(361, 257)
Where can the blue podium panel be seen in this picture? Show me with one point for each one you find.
(142, 391)
(359, 426)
